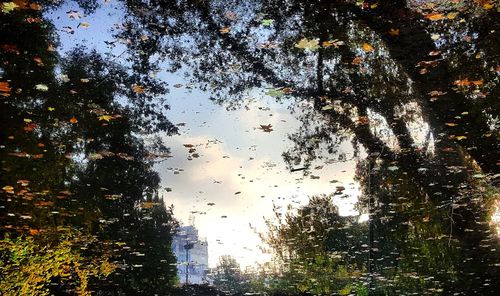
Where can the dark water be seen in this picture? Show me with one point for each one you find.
(405, 95)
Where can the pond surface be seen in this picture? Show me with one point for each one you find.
(253, 148)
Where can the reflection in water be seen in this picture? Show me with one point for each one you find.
(401, 95)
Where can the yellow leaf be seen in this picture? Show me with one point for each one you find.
(367, 47)
(105, 117)
(311, 44)
(8, 189)
(452, 15)
(7, 7)
(460, 138)
(83, 25)
(27, 120)
(488, 6)
(51, 108)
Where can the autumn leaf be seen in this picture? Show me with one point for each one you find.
(149, 205)
(462, 82)
(267, 22)
(310, 44)
(8, 189)
(7, 7)
(41, 87)
(23, 182)
(367, 47)
(4, 87)
(137, 89)
(335, 43)
(225, 30)
(357, 61)
(35, 6)
(84, 25)
(452, 15)
(363, 120)
(73, 120)
(434, 16)
(51, 108)
(275, 92)
(105, 117)
(266, 128)
(11, 48)
(38, 61)
(451, 124)
(394, 32)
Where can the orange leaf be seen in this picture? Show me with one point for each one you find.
(434, 16)
(225, 30)
(4, 86)
(357, 61)
(394, 32)
(462, 82)
(73, 120)
(137, 89)
(367, 47)
(35, 6)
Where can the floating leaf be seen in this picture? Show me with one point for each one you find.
(4, 87)
(73, 120)
(367, 47)
(335, 43)
(41, 87)
(225, 30)
(357, 60)
(434, 16)
(138, 89)
(105, 117)
(393, 168)
(8, 189)
(267, 22)
(266, 128)
(275, 92)
(72, 14)
(394, 32)
(7, 7)
(83, 25)
(310, 44)
(452, 15)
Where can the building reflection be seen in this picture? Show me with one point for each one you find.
(191, 252)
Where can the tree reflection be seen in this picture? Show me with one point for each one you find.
(72, 158)
(79, 190)
(403, 64)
